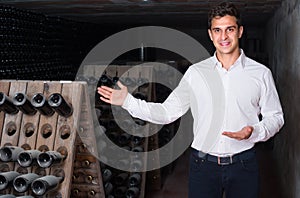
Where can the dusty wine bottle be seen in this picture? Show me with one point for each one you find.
(41, 104)
(45, 184)
(132, 192)
(120, 191)
(137, 140)
(140, 95)
(105, 80)
(28, 158)
(59, 104)
(10, 153)
(6, 179)
(22, 183)
(136, 164)
(108, 188)
(6, 105)
(23, 104)
(137, 149)
(124, 139)
(120, 179)
(106, 175)
(49, 158)
(134, 179)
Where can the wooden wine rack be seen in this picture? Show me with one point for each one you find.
(125, 71)
(80, 158)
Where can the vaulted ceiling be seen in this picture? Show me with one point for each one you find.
(149, 12)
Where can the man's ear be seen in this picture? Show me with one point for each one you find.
(241, 30)
(209, 33)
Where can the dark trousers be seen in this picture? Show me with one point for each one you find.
(207, 179)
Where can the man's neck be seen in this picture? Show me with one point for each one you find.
(228, 60)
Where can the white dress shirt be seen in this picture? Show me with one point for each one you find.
(249, 90)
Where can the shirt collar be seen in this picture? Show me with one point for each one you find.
(240, 62)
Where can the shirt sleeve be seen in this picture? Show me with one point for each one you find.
(271, 111)
(171, 109)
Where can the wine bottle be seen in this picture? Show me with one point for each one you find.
(123, 164)
(132, 192)
(108, 188)
(49, 158)
(137, 140)
(134, 180)
(105, 80)
(124, 139)
(6, 105)
(106, 175)
(41, 104)
(22, 183)
(23, 104)
(45, 184)
(120, 191)
(137, 149)
(10, 153)
(6, 179)
(28, 157)
(59, 104)
(120, 179)
(140, 95)
(128, 81)
(136, 164)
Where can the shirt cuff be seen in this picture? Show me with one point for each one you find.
(127, 100)
(255, 136)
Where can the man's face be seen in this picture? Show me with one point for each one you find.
(225, 34)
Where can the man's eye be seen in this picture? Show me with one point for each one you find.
(216, 30)
(230, 30)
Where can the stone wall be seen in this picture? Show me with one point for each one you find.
(283, 47)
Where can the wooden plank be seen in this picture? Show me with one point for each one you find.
(47, 125)
(29, 126)
(4, 88)
(4, 167)
(88, 160)
(13, 121)
(66, 134)
(27, 137)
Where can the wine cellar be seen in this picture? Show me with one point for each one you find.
(58, 139)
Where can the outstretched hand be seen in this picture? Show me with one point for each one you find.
(113, 96)
(243, 134)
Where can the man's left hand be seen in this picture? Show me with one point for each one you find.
(243, 134)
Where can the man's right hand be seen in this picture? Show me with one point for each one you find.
(113, 96)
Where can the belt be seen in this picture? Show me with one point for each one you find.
(227, 160)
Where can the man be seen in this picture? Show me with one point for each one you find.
(230, 166)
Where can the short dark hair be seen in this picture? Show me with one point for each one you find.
(223, 9)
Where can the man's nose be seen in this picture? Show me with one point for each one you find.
(224, 35)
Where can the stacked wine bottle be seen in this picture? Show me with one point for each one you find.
(39, 122)
(118, 182)
(21, 183)
(20, 102)
(38, 47)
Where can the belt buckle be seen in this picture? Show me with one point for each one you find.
(225, 163)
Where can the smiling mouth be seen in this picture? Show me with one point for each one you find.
(225, 44)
